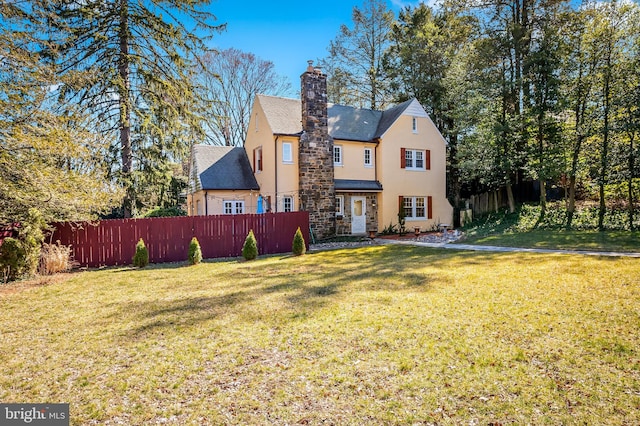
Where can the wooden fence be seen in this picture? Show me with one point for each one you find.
(8, 231)
(488, 202)
(112, 242)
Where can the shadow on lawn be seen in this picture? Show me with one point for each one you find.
(311, 282)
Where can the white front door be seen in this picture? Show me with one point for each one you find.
(358, 215)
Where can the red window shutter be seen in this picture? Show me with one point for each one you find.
(268, 209)
(403, 158)
(400, 203)
(427, 159)
(429, 207)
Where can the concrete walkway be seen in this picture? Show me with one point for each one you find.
(505, 249)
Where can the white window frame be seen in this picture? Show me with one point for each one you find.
(411, 205)
(259, 161)
(339, 205)
(287, 153)
(414, 124)
(411, 157)
(337, 153)
(368, 157)
(233, 207)
(287, 200)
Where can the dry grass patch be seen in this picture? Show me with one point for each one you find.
(379, 335)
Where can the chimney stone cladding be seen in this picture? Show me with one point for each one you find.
(317, 189)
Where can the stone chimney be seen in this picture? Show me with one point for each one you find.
(317, 190)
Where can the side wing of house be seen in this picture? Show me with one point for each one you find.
(272, 147)
(221, 182)
(412, 170)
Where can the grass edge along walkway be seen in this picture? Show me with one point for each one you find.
(473, 247)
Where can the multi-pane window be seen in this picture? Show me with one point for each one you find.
(415, 207)
(287, 153)
(419, 207)
(337, 155)
(287, 204)
(419, 159)
(414, 159)
(234, 207)
(340, 205)
(414, 125)
(368, 162)
(408, 156)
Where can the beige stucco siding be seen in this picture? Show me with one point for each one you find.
(212, 202)
(398, 182)
(278, 178)
(287, 173)
(353, 166)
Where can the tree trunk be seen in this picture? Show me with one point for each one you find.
(125, 108)
(571, 207)
(632, 175)
(510, 199)
(605, 140)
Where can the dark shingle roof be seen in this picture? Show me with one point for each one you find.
(346, 123)
(353, 124)
(357, 185)
(390, 116)
(223, 167)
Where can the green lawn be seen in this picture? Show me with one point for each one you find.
(621, 241)
(379, 335)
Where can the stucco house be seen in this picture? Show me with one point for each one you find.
(221, 181)
(352, 169)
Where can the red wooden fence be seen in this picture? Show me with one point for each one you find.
(112, 242)
(8, 231)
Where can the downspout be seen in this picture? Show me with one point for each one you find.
(275, 197)
(375, 166)
(375, 175)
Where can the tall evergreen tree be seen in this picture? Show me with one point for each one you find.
(429, 58)
(140, 55)
(49, 162)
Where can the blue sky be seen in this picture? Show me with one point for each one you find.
(285, 32)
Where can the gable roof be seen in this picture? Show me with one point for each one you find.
(222, 167)
(284, 116)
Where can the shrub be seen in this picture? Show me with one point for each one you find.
(165, 212)
(141, 258)
(299, 247)
(30, 236)
(55, 258)
(250, 247)
(12, 259)
(195, 253)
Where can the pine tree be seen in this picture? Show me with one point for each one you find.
(49, 160)
(141, 257)
(250, 247)
(195, 253)
(299, 246)
(142, 90)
